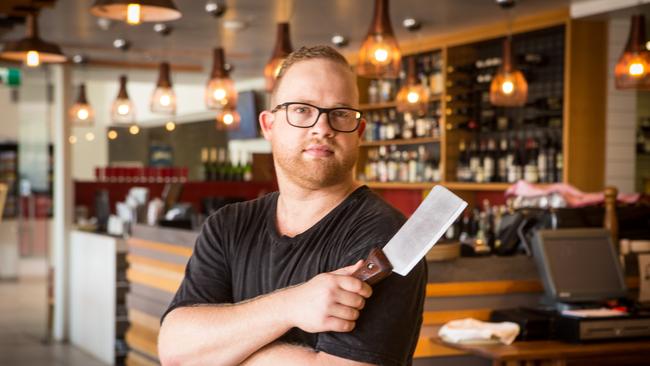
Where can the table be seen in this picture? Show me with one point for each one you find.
(556, 353)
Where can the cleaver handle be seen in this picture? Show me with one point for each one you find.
(375, 268)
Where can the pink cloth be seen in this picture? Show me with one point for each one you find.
(573, 196)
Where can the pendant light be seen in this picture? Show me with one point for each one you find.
(136, 11)
(220, 91)
(163, 99)
(379, 56)
(228, 119)
(508, 87)
(412, 97)
(81, 113)
(32, 50)
(632, 70)
(281, 50)
(122, 110)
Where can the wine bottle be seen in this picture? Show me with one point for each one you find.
(531, 174)
(474, 161)
(489, 162)
(462, 168)
(205, 163)
(502, 160)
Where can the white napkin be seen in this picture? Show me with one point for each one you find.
(471, 330)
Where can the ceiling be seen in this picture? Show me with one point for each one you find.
(69, 23)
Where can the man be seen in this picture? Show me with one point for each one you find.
(273, 275)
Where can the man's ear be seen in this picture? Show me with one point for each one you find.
(362, 127)
(266, 119)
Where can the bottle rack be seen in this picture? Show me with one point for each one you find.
(551, 51)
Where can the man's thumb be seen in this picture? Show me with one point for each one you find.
(349, 269)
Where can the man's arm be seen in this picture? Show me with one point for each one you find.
(229, 334)
(290, 355)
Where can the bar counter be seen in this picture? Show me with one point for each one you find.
(464, 287)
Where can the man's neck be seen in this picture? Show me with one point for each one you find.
(299, 208)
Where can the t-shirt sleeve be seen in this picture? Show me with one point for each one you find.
(207, 277)
(389, 325)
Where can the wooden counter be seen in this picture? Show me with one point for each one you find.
(465, 287)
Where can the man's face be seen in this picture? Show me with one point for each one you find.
(318, 156)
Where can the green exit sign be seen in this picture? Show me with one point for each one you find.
(9, 76)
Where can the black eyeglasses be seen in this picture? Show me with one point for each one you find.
(304, 115)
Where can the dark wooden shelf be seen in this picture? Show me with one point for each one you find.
(413, 141)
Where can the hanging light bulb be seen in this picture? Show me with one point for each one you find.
(112, 134)
(227, 119)
(281, 50)
(163, 99)
(123, 110)
(134, 129)
(220, 91)
(170, 126)
(136, 11)
(632, 70)
(379, 56)
(81, 113)
(508, 87)
(32, 50)
(412, 97)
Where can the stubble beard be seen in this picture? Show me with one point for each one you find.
(315, 173)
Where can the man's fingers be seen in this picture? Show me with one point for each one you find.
(335, 324)
(350, 299)
(355, 285)
(343, 312)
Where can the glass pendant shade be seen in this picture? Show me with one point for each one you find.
(227, 119)
(123, 110)
(508, 87)
(220, 91)
(632, 70)
(412, 97)
(81, 113)
(282, 49)
(379, 56)
(136, 11)
(32, 50)
(163, 99)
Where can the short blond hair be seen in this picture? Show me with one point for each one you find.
(309, 53)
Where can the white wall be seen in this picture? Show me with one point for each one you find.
(621, 117)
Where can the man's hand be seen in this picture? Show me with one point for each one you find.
(328, 302)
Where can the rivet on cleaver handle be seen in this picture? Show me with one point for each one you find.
(375, 268)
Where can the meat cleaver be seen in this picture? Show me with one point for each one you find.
(414, 239)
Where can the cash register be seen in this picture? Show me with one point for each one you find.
(580, 272)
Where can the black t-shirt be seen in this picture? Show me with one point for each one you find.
(240, 255)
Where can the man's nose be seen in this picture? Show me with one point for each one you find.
(322, 126)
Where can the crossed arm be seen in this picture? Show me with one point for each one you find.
(244, 333)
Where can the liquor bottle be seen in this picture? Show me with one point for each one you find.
(490, 162)
(434, 163)
(474, 162)
(412, 166)
(223, 171)
(382, 164)
(373, 92)
(403, 167)
(502, 160)
(531, 172)
(393, 163)
(436, 77)
(515, 168)
(408, 129)
(205, 164)
(462, 169)
(248, 168)
(385, 90)
(421, 164)
(542, 164)
(395, 123)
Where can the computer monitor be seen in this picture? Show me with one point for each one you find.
(578, 265)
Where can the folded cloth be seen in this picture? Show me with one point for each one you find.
(573, 196)
(472, 330)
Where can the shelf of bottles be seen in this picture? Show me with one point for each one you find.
(218, 166)
(403, 148)
(497, 144)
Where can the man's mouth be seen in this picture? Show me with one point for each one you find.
(317, 150)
